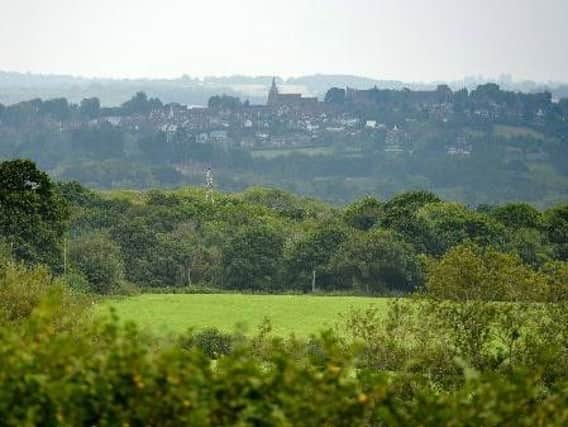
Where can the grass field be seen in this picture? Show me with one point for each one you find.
(297, 314)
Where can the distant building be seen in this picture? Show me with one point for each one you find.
(277, 99)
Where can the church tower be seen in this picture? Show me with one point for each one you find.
(273, 94)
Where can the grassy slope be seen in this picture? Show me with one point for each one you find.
(289, 314)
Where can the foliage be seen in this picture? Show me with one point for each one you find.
(518, 215)
(556, 226)
(470, 273)
(224, 102)
(445, 225)
(377, 262)
(28, 290)
(177, 239)
(250, 258)
(32, 214)
(213, 343)
(363, 214)
(264, 239)
(311, 254)
(98, 258)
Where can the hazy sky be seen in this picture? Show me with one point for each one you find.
(412, 40)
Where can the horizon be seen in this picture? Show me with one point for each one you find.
(502, 78)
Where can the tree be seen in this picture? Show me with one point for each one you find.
(399, 214)
(469, 272)
(444, 225)
(557, 274)
(139, 246)
(377, 261)
(224, 102)
(99, 143)
(531, 245)
(556, 228)
(364, 213)
(90, 107)
(251, 258)
(58, 108)
(308, 259)
(182, 257)
(33, 216)
(140, 104)
(335, 96)
(517, 215)
(285, 204)
(99, 259)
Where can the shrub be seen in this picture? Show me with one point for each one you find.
(99, 259)
(111, 375)
(213, 342)
(468, 272)
(26, 290)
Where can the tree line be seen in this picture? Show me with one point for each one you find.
(267, 240)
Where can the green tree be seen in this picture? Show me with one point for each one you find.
(531, 245)
(251, 258)
(99, 259)
(517, 215)
(399, 214)
(182, 257)
(139, 245)
(556, 228)
(364, 213)
(33, 216)
(308, 259)
(377, 261)
(444, 225)
(469, 272)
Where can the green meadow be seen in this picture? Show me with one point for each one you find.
(301, 315)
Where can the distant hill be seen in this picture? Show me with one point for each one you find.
(16, 87)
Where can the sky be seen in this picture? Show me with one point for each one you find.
(409, 40)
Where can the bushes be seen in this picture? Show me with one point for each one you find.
(119, 380)
(111, 375)
(28, 290)
(468, 272)
(471, 273)
(212, 342)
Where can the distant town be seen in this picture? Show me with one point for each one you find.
(292, 120)
(351, 141)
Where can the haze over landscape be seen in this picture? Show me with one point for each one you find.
(411, 40)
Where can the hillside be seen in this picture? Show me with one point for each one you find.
(484, 146)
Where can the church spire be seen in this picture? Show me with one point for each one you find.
(273, 94)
